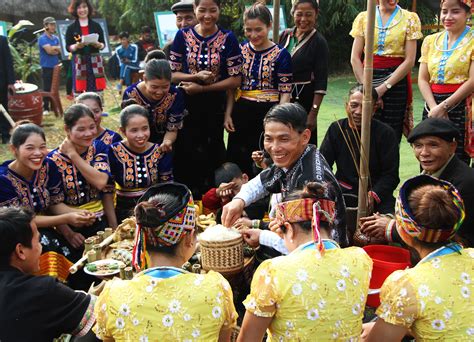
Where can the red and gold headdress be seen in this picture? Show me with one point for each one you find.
(468, 3)
(307, 209)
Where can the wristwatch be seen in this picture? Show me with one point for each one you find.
(388, 85)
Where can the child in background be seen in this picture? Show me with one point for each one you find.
(94, 102)
(229, 179)
(127, 55)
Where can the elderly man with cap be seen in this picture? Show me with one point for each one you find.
(185, 17)
(434, 144)
(49, 49)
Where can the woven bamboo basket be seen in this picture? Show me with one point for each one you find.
(225, 257)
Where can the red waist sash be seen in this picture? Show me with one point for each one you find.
(445, 88)
(383, 62)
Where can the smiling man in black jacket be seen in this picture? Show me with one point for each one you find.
(34, 308)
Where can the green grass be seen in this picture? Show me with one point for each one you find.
(331, 109)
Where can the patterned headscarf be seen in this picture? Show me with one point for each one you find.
(173, 227)
(307, 209)
(468, 3)
(406, 224)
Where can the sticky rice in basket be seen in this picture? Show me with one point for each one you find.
(222, 250)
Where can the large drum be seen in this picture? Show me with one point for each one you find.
(26, 104)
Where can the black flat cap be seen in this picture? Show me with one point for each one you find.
(183, 5)
(441, 128)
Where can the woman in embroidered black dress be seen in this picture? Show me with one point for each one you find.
(309, 54)
(206, 61)
(84, 167)
(163, 101)
(266, 81)
(34, 182)
(136, 163)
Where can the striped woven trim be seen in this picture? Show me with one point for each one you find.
(87, 320)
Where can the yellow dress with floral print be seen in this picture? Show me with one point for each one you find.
(435, 299)
(187, 306)
(457, 65)
(312, 297)
(405, 26)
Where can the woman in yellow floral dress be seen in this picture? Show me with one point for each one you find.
(446, 75)
(163, 302)
(433, 300)
(396, 33)
(319, 290)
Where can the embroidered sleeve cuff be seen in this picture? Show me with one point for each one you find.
(389, 230)
(87, 320)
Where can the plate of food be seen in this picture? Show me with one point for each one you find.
(103, 268)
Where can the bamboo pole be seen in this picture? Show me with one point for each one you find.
(367, 107)
(276, 21)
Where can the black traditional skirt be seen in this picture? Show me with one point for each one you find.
(248, 122)
(200, 148)
(458, 115)
(304, 95)
(394, 101)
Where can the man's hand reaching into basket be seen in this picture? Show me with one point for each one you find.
(232, 211)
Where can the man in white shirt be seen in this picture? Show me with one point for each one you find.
(296, 162)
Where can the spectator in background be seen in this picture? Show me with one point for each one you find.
(7, 79)
(127, 55)
(146, 43)
(49, 50)
(88, 65)
(185, 17)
